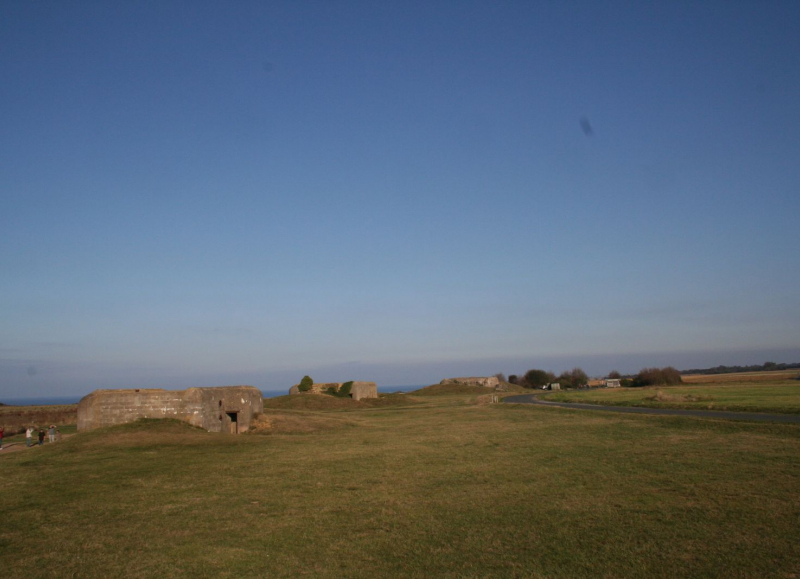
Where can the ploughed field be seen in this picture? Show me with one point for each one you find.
(416, 486)
(766, 392)
(15, 419)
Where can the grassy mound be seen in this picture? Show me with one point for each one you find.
(321, 402)
(384, 400)
(299, 423)
(142, 432)
(450, 389)
(310, 402)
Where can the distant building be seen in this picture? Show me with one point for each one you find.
(612, 383)
(221, 409)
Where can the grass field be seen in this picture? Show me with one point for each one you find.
(66, 429)
(781, 396)
(772, 376)
(435, 486)
(17, 418)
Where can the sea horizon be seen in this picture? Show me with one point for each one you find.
(63, 400)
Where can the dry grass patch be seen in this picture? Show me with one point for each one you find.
(441, 489)
(324, 402)
(299, 423)
(16, 419)
(670, 397)
(145, 432)
(387, 400)
(308, 401)
(772, 396)
(777, 375)
(450, 389)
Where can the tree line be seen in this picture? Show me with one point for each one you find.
(577, 378)
(536, 378)
(765, 367)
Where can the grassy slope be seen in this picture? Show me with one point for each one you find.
(449, 489)
(325, 402)
(20, 438)
(770, 396)
(450, 389)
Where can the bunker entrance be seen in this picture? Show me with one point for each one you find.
(234, 418)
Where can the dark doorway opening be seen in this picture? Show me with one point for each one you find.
(234, 416)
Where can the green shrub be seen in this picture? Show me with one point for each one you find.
(344, 390)
(305, 384)
(565, 379)
(536, 378)
(579, 377)
(658, 377)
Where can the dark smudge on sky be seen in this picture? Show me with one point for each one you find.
(586, 126)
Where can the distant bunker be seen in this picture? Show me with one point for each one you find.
(485, 381)
(221, 409)
(358, 390)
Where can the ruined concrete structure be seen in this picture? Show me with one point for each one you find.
(221, 409)
(486, 382)
(358, 391)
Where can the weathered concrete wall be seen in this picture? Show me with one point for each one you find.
(358, 391)
(319, 388)
(212, 409)
(362, 390)
(485, 381)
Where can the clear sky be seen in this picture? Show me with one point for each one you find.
(202, 193)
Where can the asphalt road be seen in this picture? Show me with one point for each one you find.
(756, 416)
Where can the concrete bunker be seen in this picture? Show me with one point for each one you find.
(484, 381)
(219, 409)
(358, 391)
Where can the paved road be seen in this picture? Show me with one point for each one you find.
(757, 416)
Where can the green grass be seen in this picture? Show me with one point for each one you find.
(439, 489)
(64, 428)
(781, 397)
(457, 388)
(326, 402)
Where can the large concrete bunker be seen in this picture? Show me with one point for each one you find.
(220, 409)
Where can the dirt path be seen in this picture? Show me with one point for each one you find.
(724, 414)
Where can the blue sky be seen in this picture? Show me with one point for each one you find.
(201, 193)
